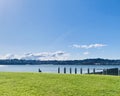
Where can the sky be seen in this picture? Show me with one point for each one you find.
(59, 29)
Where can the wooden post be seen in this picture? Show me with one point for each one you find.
(75, 70)
(118, 72)
(88, 71)
(64, 70)
(103, 71)
(106, 71)
(58, 69)
(70, 70)
(80, 70)
(94, 71)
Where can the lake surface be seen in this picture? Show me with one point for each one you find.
(53, 68)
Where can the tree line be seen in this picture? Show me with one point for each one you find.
(97, 61)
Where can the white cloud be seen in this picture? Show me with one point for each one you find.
(89, 46)
(8, 56)
(58, 55)
(86, 53)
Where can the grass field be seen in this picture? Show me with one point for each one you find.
(39, 84)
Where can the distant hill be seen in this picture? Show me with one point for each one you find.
(96, 61)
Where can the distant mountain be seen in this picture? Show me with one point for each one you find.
(97, 61)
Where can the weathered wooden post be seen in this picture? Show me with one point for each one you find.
(80, 70)
(118, 72)
(75, 70)
(88, 71)
(103, 71)
(70, 70)
(94, 71)
(58, 69)
(106, 71)
(64, 70)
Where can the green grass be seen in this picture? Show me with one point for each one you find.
(39, 84)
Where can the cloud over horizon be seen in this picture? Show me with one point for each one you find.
(58, 55)
(89, 46)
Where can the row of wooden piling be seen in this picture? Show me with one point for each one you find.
(75, 70)
(111, 71)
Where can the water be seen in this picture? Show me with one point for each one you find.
(53, 68)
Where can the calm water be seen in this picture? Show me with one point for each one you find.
(52, 68)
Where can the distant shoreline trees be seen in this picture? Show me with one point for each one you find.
(97, 61)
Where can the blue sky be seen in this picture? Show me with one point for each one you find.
(35, 26)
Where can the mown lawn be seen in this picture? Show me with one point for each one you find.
(40, 84)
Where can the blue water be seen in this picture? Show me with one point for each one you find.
(53, 68)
